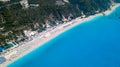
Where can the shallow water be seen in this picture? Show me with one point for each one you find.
(95, 43)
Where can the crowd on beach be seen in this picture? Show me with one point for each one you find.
(27, 45)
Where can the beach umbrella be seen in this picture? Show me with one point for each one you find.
(2, 59)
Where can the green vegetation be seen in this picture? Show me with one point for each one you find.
(14, 20)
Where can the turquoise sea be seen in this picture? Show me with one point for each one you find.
(95, 43)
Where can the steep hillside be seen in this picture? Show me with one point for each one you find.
(14, 19)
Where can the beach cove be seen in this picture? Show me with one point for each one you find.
(70, 26)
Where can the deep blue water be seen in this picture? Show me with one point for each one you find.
(95, 43)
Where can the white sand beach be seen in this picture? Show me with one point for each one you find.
(45, 36)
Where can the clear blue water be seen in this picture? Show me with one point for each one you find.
(95, 43)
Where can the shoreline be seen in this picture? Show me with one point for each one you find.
(50, 34)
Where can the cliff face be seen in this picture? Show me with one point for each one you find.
(34, 14)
